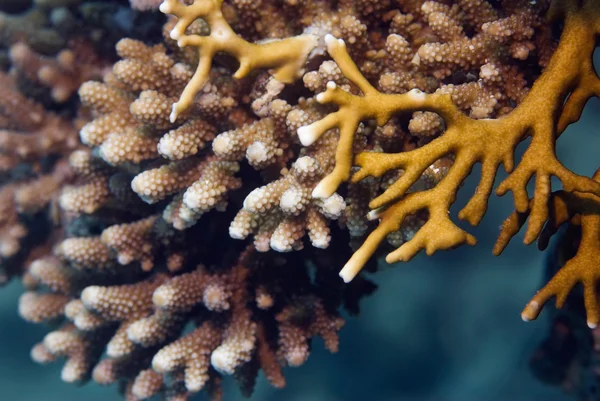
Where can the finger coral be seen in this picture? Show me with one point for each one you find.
(240, 316)
(143, 272)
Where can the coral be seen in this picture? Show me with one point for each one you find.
(578, 209)
(490, 142)
(286, 56)
(244, 122)
(33, 147)
(52, 47)
(246, 315)
(568, 356)
(144, 272)
(62, 75)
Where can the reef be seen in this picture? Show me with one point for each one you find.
(201, 186)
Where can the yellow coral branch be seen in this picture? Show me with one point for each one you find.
(285, 56)
(489, 142)
(579, 208)
(588, 86)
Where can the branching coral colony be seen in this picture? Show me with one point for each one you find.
(542, 115)
(199, 139)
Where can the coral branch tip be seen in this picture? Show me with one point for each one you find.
(307, 135)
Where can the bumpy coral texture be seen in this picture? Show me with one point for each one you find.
(243, 124)
(146, 271)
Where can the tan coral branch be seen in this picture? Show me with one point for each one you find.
(577, 208)
(285, 56)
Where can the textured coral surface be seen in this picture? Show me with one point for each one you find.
(196, 227)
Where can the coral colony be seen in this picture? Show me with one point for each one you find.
(183, 213)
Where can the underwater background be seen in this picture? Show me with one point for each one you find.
(445, 327)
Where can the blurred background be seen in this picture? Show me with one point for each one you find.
(443, 328)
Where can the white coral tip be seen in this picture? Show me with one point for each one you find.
(374, 214)
(329, 39)
(89, 296)
(320, 191)
(236, 233)
(416, 94)
(416, 60)
(70, 374)
(304, 163)
(307, 135)
(290, 200)
(222, 360)
(349, 271)
(221, 145)
(257, 152)
(164, 8)
(162, 296)
(277, 244)
(174, 114)
(321, 242)
(161, 362)
(333, 206)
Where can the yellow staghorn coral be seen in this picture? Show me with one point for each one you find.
(285, 56)
(542, 115)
